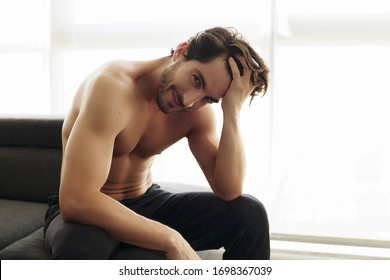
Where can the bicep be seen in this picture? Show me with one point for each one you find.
(87, 159)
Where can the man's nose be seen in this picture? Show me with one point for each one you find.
(191, 97)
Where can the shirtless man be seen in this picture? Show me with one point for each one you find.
(123, 115)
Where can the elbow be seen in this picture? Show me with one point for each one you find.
(68, 217)
(227, 188)
(70, 210)
(228, 195)
(228, 191)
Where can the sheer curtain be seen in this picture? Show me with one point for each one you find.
(24, 39)
(330, 157)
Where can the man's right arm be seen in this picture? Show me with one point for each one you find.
(85, 168)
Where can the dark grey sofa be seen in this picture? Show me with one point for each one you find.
(30, 162)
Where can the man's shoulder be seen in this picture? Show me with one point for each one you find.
(111, 84)
(106, 94)
(114, 75)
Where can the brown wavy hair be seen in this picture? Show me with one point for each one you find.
(211, 43)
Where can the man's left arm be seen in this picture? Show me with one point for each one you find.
(223, 163)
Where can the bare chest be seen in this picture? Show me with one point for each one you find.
(151, 135)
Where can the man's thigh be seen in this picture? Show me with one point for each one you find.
(201, 217)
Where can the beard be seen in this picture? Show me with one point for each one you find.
(165, 87)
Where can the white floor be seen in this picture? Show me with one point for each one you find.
(281, 250)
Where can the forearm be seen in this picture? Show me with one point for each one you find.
(119, 222)
(230, 162)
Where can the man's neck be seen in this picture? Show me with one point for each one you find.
(148, 76)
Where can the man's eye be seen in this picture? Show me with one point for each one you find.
(197, 82)
(211, 100)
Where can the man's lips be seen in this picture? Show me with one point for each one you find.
(176, 99)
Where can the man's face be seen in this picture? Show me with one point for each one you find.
(191, 85)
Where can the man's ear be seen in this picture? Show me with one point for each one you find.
(180, 50)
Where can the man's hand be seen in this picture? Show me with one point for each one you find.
(239, 89)
(181, 250)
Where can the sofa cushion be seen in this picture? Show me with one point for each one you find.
(31, 131)
(31, 247)
(30, 174)
(18, 219)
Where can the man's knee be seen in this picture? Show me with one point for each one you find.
(250, 229)
(76, 241)
(249, 210)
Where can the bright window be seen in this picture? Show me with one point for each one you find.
(25, 90)
(330, 156)
(329, 153)
(23, 21)
(24, 86)
(115, 11)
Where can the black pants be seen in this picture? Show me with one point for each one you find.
(206, 222)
